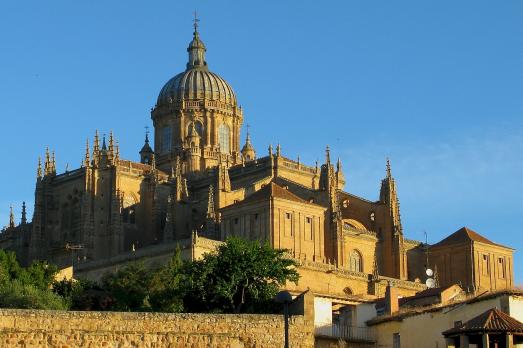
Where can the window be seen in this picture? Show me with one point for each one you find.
(485, 266)
(223, 138)
(165, 139)
(197, 126)
(308, 233)
(256, 216)
(288, 215)
(236, 221)
(309, 220)
(355, 261)
(501, 268)
(396, 343)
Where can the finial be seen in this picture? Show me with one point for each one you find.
(24, 214)
(338, 165)
(47, 164)
(53, 163)
(96, 143)
(147, 134)
(87, 158)
(39, 168)
(248, 135)
(327, 154)
(270, 150)
(278, 150)
(195, 22)
(117, 154)
(104, 147)
(389, 175)
(11, 217)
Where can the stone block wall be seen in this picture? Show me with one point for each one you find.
(34, 328)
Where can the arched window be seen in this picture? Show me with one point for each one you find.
(223, 138)
(197, 126)
(355, 261)
(166, 139)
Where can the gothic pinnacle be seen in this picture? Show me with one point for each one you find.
(327, 155)
(389, 175)
(87, 158)
(39, 168)
(11, 217)
(24, 214)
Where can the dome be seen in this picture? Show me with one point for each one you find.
(196, 82)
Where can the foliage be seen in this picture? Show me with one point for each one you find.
(16, 294)
(166, 286)
(130, 287)
(241, 276)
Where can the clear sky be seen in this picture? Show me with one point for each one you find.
(437, 86)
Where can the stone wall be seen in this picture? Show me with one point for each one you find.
(32, 328)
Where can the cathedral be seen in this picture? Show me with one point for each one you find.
(196, 181)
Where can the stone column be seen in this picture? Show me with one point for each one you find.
(509, 340)
(463, 341)
(484, 340)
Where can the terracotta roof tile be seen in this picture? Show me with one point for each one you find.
(492, 320)
(464, 235)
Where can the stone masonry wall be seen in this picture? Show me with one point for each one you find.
(33, 328)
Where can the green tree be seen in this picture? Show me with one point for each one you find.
(166, 289)
(16, 294)
(239, 277)
(130, 287)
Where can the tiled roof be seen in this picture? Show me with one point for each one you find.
(463, 235)
(492, 320)
(273, 190)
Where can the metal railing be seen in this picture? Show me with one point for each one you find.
(347, 332)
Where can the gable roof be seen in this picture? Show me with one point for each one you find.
(492, 320)
(271, 190)
(464, 235)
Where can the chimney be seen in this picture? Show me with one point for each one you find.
(391, 300)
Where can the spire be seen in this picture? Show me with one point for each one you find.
(96, 148)
(389, 175)
(248, 152)
(270, 150)
(146, 151)
(39, 168)
(24, 214)
(196, 49)
(338, 166)
(104, 147)
(87, 158)
(117, 153)
(111, 146)
(53, 164)
(278, 150)
(327, 155)
(11, 217)
(47, 164)
(210, 203)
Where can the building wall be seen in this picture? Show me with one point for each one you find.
(424, 330)
(493, 266)
(111, 329)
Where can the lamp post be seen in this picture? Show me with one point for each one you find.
(285, 298)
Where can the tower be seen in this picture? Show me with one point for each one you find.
(196, 102)
(392, 238)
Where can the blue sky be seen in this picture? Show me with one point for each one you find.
(436, 86)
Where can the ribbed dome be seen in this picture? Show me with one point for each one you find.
(196, 82)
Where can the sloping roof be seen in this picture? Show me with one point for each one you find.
(464, 235)
(431, 292)
(492, 320)
(271, 190)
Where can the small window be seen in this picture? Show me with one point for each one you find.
(256, 216)
(309, 220)
(485, 265)
(501, 268)
(288, 215)
(396, 343)
(236, 221)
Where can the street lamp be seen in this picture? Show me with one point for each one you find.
(285, 298)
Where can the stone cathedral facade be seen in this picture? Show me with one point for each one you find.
(197, 179)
